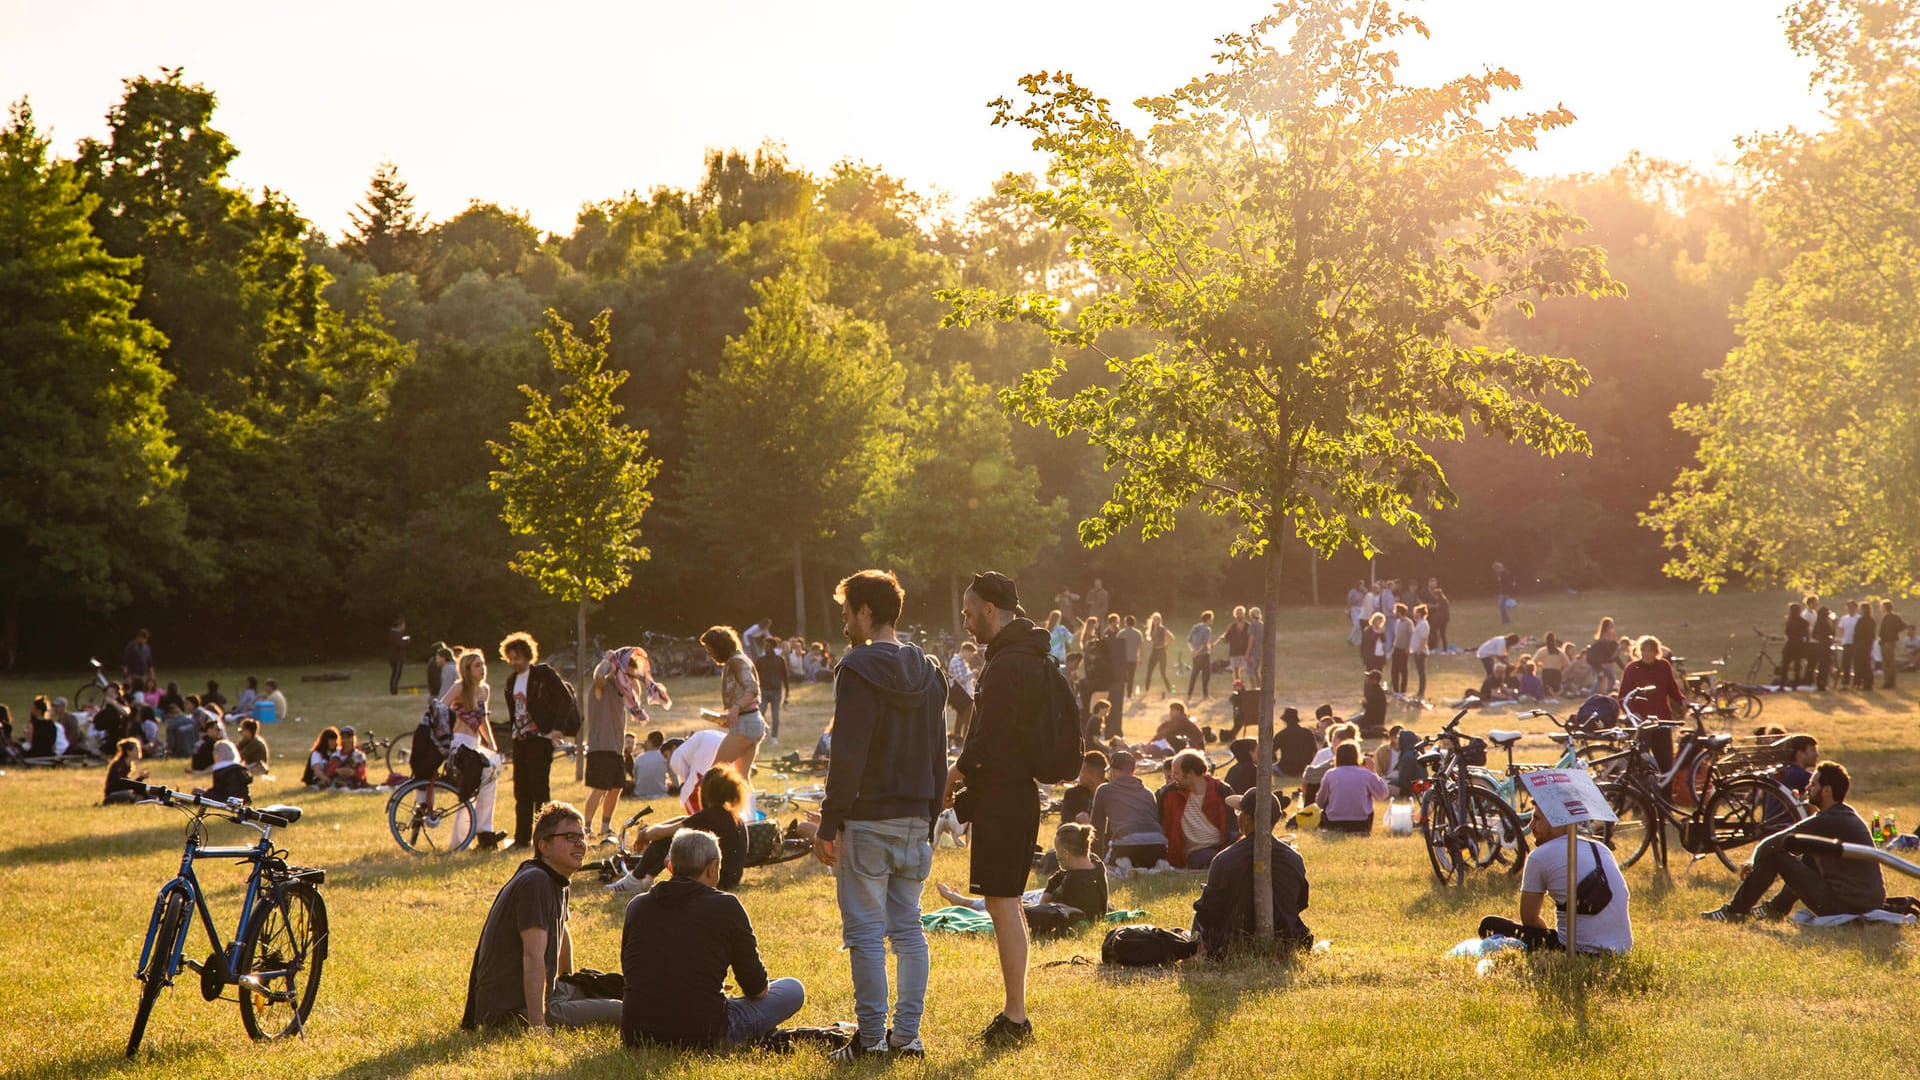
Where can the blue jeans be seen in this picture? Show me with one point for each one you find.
(749, 1019)
(882, 867)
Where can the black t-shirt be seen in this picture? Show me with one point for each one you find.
(1083, 889)
(1078, 800)
(1237, 637)
(732, 835)
(772, 670)
(43, 736)
(231, 782)
(535, 898)
(1297, 746)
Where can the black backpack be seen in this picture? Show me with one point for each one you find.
(1147, 946)
(1054, 754)
(1053, 920)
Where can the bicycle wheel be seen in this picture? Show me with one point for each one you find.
(1437, 836)
(173, 923)
(1498, 836)
(88, 698)
(399, 754)
(1744, 810)
(1745, 703)
(280, 960)
(428, 817)
(1630, 836)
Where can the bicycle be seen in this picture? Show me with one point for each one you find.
(397, 751)
(280, 947)
(1765, 661)
(427, 816)
(1713, 809)
(1507, 784)
(92, 693)
(1708, 688)
(1464, 826)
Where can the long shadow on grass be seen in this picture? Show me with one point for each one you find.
(1473, 896)
(374, 870)
(152, 1060)
(170, 832)
(1880, 945)
(426, 1056)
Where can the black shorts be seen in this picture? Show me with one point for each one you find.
(1000, 844)
(605, 770)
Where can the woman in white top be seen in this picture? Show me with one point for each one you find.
(1422, 643)
(467, 700)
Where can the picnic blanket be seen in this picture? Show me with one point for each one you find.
(965, 920)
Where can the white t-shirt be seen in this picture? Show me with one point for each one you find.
(1422, 633)
(693, 758)
(1546, 872)
(1495, 647)
(519, 692)
(1847, 623)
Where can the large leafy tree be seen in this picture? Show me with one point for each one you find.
(87, 507)
(785, 434)
(1310, 247)
(575, 480)
(1808, 470)
(953, 501)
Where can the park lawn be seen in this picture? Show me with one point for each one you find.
(77, 884)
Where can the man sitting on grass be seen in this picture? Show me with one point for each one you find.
(1193, 812)
(1223, 916)
(1826, 884)
(1126, 820)
(1600, 893)
(685, 934)
(524, 944)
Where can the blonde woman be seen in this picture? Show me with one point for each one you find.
(739, 700)
(1158, 638)
(467, 700)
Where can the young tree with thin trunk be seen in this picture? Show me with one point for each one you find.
(575, 479)
(1310, 246)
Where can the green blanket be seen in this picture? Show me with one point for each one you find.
(965, 920)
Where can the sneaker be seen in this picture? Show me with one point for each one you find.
(912, 1048)
(607, 837)
(1004, 1033)
(856, 1050)
(1724, 913)
(629, 885)
(1123, 864)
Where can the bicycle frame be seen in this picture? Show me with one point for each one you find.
(187, 883)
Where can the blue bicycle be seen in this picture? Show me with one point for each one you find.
(280, 946)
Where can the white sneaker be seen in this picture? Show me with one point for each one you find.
(1123, 864)
(1162, 866)
(629, 884)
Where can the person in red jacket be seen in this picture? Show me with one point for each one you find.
(1667, 700)
(1193, 812)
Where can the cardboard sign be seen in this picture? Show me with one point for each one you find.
(1567, 796)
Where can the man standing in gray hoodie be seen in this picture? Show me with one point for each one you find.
(884, 790)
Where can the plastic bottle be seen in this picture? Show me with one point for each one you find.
(1893, 827)
(1875, 831)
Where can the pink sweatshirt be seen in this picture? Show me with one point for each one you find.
(1347, 792)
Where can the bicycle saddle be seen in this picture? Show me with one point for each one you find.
(1504, 738)
(1718, 742)
(288, 814)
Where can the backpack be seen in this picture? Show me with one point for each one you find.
(1053, 920)
(1147, 946)
(1056, 748)
(1598, 711)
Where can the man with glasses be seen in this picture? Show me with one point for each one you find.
(524, 945)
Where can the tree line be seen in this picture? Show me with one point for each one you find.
(221, 423)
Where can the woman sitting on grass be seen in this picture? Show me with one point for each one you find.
(1080, 883)
(722, 794)
(120, 772)
(318, 758)
(1348, 791)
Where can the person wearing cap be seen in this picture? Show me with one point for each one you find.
(1223, 915)
(992, 785)
(1294, 745)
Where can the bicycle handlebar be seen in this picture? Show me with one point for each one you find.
(233, 809)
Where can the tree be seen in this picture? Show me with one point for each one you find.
(575, 480)
(1808, 470)
(954, 501)
(88, 500)
(785, 434)
(387, 232)
(1309, 245)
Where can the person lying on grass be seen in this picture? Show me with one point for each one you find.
(686, 934)
(1081, 881)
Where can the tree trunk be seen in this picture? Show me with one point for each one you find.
(583, 682)
(1263, 750)
(953, 592)
(799, 591)
(10, 627)
(1313, 570)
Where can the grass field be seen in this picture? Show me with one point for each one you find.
(77, 883)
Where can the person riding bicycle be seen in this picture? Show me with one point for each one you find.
(1827, 884)
(1599, 894)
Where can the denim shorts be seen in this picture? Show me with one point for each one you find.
(750, 725)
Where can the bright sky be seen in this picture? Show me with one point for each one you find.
(543, 107)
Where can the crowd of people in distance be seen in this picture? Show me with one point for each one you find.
(1843, 652)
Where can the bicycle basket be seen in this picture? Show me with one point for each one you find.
(1474, 751)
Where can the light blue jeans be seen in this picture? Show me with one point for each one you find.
(749, 1019)
(881, 868)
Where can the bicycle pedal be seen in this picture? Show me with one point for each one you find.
(213, 979)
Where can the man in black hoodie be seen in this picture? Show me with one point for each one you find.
(1000, 800)
(884, 789)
